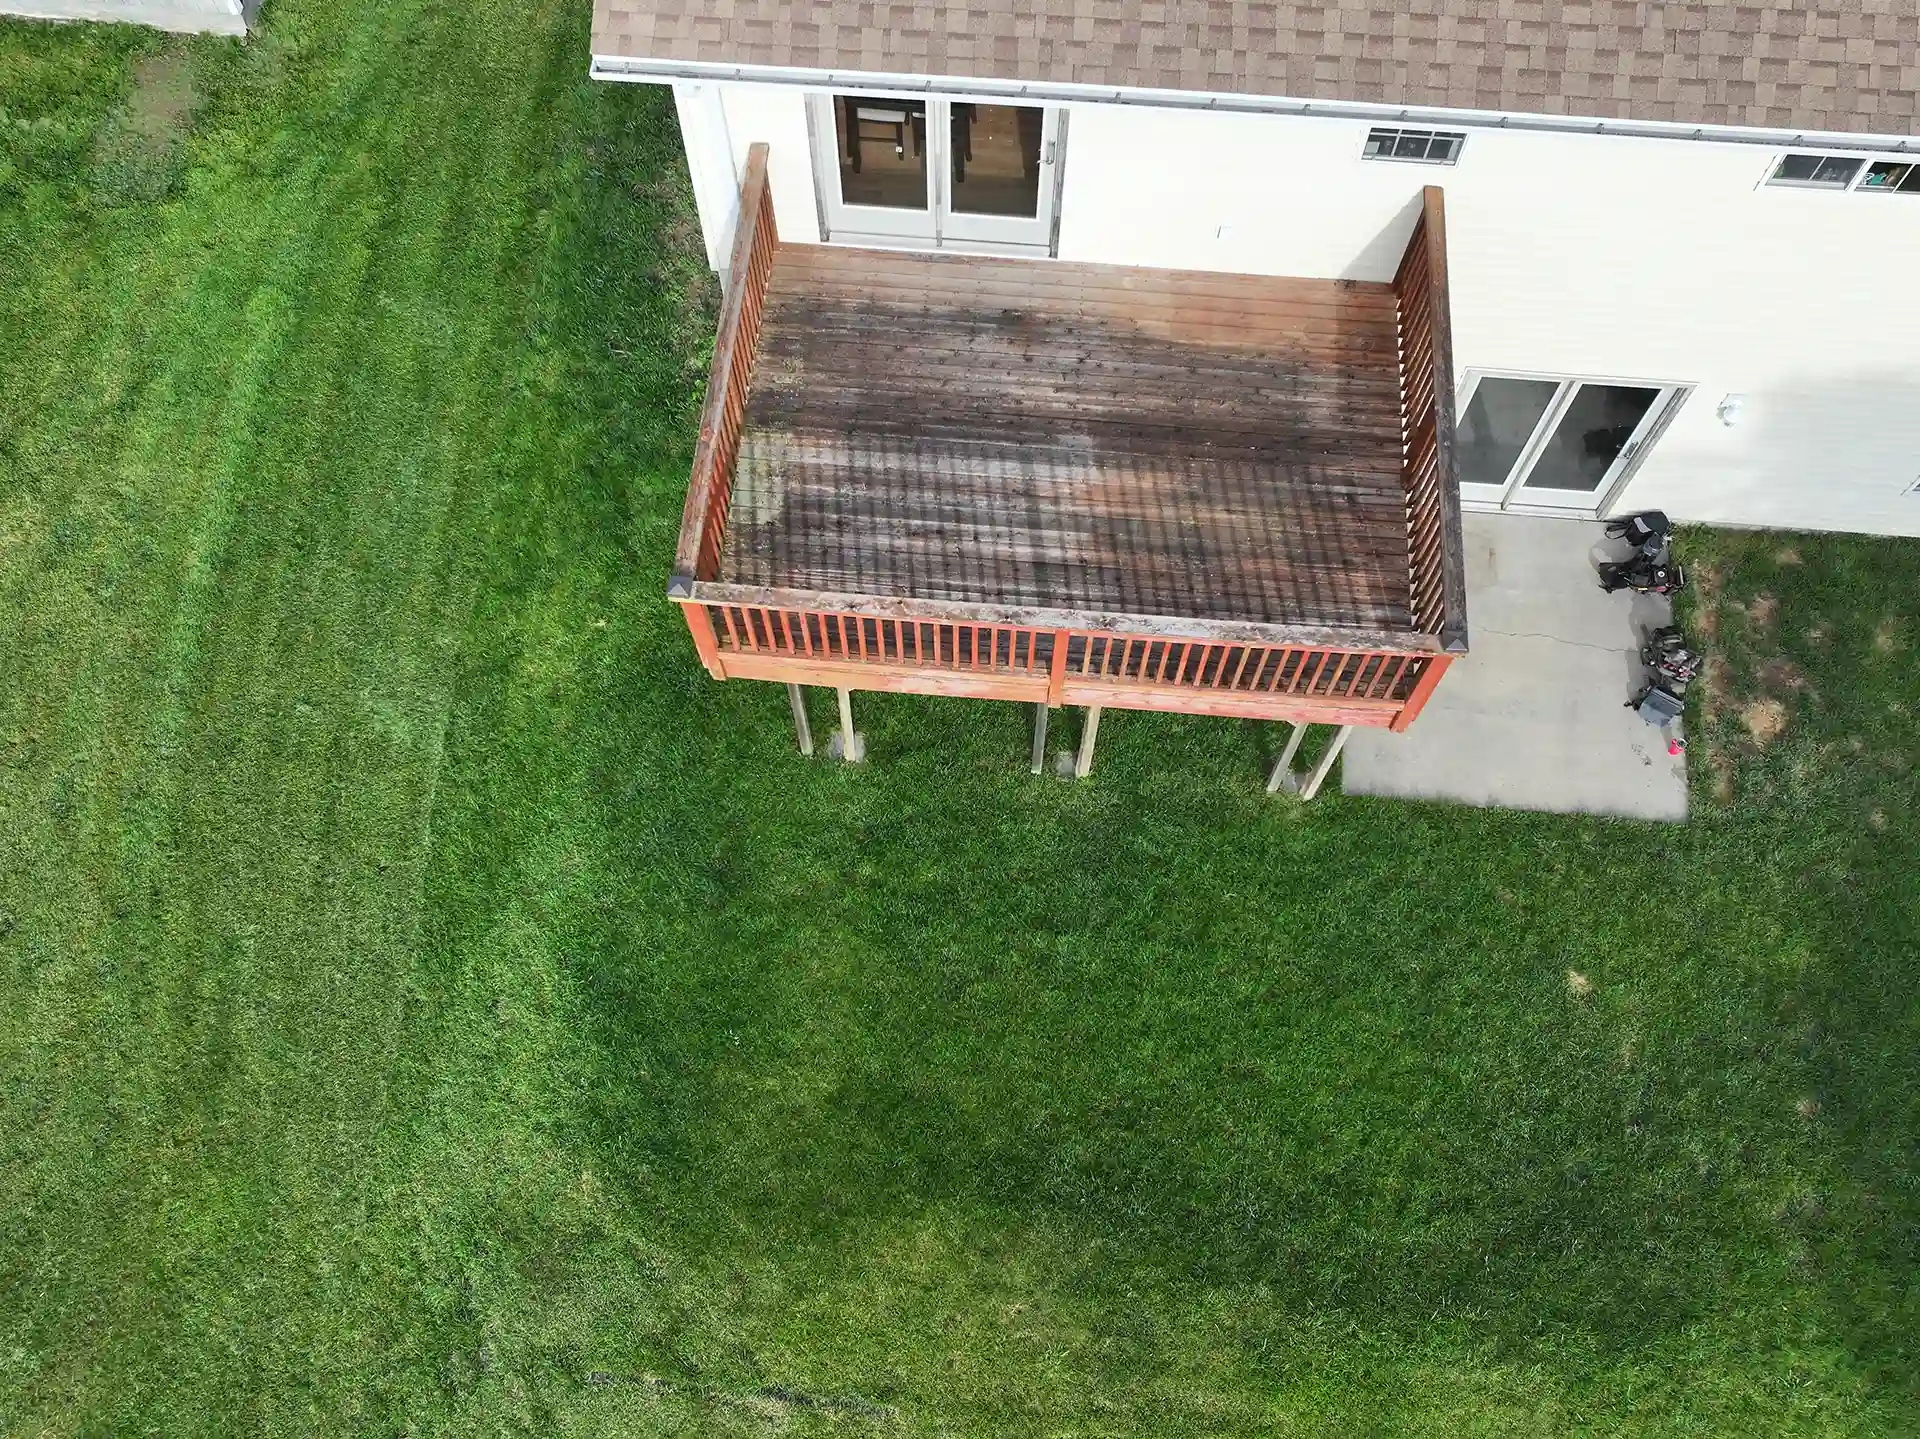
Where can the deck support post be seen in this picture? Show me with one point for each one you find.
(1283, 767)
(797, 697)
(848, 745)
(1312, 785)
(1089, 732)
(1040, 737)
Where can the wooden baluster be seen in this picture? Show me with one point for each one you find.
(1393, 679)
(1057, 667)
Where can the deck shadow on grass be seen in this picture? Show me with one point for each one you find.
(929, 988)
(1332, 1054)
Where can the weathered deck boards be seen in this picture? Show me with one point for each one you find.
(1074, 436)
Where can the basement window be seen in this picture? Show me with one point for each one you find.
(1893, 176)
(1820, 172)
(1427, 147)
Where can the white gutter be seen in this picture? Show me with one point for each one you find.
(616, 67)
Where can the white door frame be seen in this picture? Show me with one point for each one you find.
(959, 229)
(1672, 395)
(938, 226)
(891, 226)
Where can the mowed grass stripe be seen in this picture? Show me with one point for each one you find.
(445, 1010)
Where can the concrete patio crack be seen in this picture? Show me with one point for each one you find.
(1556, 639)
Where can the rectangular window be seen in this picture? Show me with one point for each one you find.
(935, 173)
(995, 159)
(1549, 443)
(1427, 147)
(882, 146)
(1899, 176)
(1823, 172)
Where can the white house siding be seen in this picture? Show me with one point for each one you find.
(1581, 255)
(777, 114)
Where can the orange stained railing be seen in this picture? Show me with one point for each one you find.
(704, 517)
(1435, 553)
(1332, 674)
(924, 645)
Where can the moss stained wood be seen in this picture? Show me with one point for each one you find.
(1074, 437)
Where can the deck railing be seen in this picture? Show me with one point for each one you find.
(1194, 666)
(703, 520)
(1434, 550)
(1331, 674)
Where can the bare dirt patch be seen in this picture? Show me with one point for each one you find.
(1762, 613)
(1782, 677)
(1886, 638)
(1578, 985)
(163, 99)
(1722, 778)
(1716, 682)
(139, 153)
(1705, 580)
(1765, 719)
(1788, 556)
(1807, 1107)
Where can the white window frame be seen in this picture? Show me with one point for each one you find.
(1502, 498)
(939, 226)
(1867, 159)
(1459, 138)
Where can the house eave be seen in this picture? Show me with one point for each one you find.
(634, 69)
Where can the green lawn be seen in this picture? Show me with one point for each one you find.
(432, 1006)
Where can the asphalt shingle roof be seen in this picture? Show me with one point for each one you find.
(1847, 66)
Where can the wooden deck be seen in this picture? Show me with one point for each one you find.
(1077, 484)
(1083, 437)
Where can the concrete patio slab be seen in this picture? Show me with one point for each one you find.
(1535, 716)
(214, 17)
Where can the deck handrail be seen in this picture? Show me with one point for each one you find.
(1351, 681)
(1435, 549)
(703, 520)
(962, 612)
(1335, 673)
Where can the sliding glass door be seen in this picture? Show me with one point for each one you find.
(1535, 442)
(929, 174)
